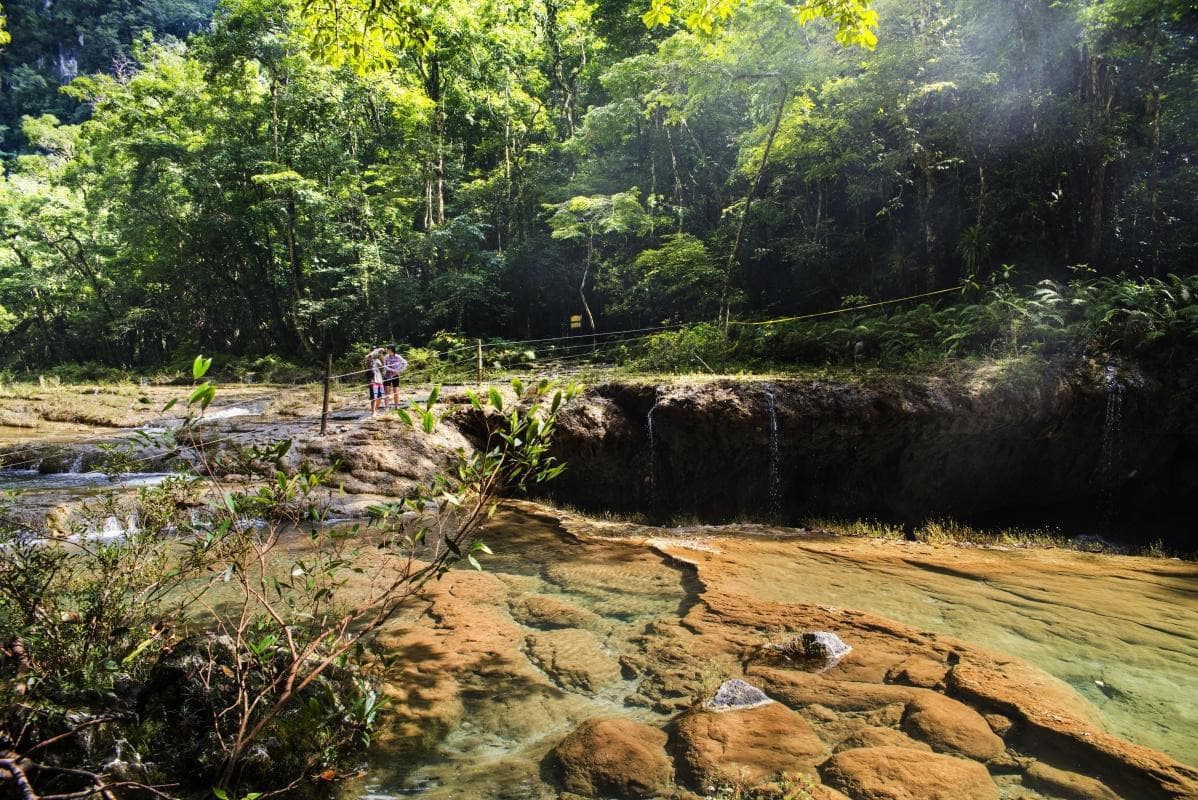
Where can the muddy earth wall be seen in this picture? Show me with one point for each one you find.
(1088, 448)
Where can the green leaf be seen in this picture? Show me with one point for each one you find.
(141, 647)
(200, 366)
(496, 398)
(474, 563)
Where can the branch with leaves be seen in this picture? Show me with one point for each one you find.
(855, 21)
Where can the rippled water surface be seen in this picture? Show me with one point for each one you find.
(499, 747)
(1123, 631)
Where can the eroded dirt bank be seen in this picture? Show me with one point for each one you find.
(1077, 446)
(986, 446)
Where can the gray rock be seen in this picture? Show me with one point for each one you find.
(736, 694)
(816, 648)
(821, 644)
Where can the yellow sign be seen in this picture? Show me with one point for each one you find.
(575, 321)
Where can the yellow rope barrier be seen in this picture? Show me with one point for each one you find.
(852, 308)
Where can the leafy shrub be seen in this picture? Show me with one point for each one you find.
(268, 688)
(687, 350)
(1084, 315)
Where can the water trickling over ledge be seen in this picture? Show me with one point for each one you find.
(983, 449)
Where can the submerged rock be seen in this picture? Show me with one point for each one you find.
(875, 736)
(754, 744)
(1062, 783)
(952, 727)
(736, 694)
(546, 612)
(901, 773)
(604, 757)
(573, 659)
(918, 671)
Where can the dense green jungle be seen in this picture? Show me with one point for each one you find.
(254, 181)
(794, 399)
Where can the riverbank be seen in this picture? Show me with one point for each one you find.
(1084, 454)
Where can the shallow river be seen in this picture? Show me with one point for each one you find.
(1122, 631)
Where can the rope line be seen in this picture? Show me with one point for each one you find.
(502, 343)
(582, 335)
(851, 308)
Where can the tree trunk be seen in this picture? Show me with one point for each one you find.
(1100, 96)
(582, 287)
(754, 187)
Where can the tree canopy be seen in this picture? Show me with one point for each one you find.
(298, 177)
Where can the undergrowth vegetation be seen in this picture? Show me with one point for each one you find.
(951, 531)
(1081, 317)
(200, 638)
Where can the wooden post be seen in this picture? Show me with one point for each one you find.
(324, 409)
(478, 378)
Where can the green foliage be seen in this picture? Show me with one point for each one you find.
(854, 20)
(89, 612)
(300, 177)
(688, 349)
(678, 282)
(208, 639)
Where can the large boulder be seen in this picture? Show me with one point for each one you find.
(950, 726)
(606, 757)
(753, 744)
(900, 773)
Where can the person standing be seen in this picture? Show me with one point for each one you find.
(374, 363)
(393, 364)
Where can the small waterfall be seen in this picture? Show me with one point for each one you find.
(652, 454)
(76, 463)
(775, 473)
(113, 529)
(1110, 450)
